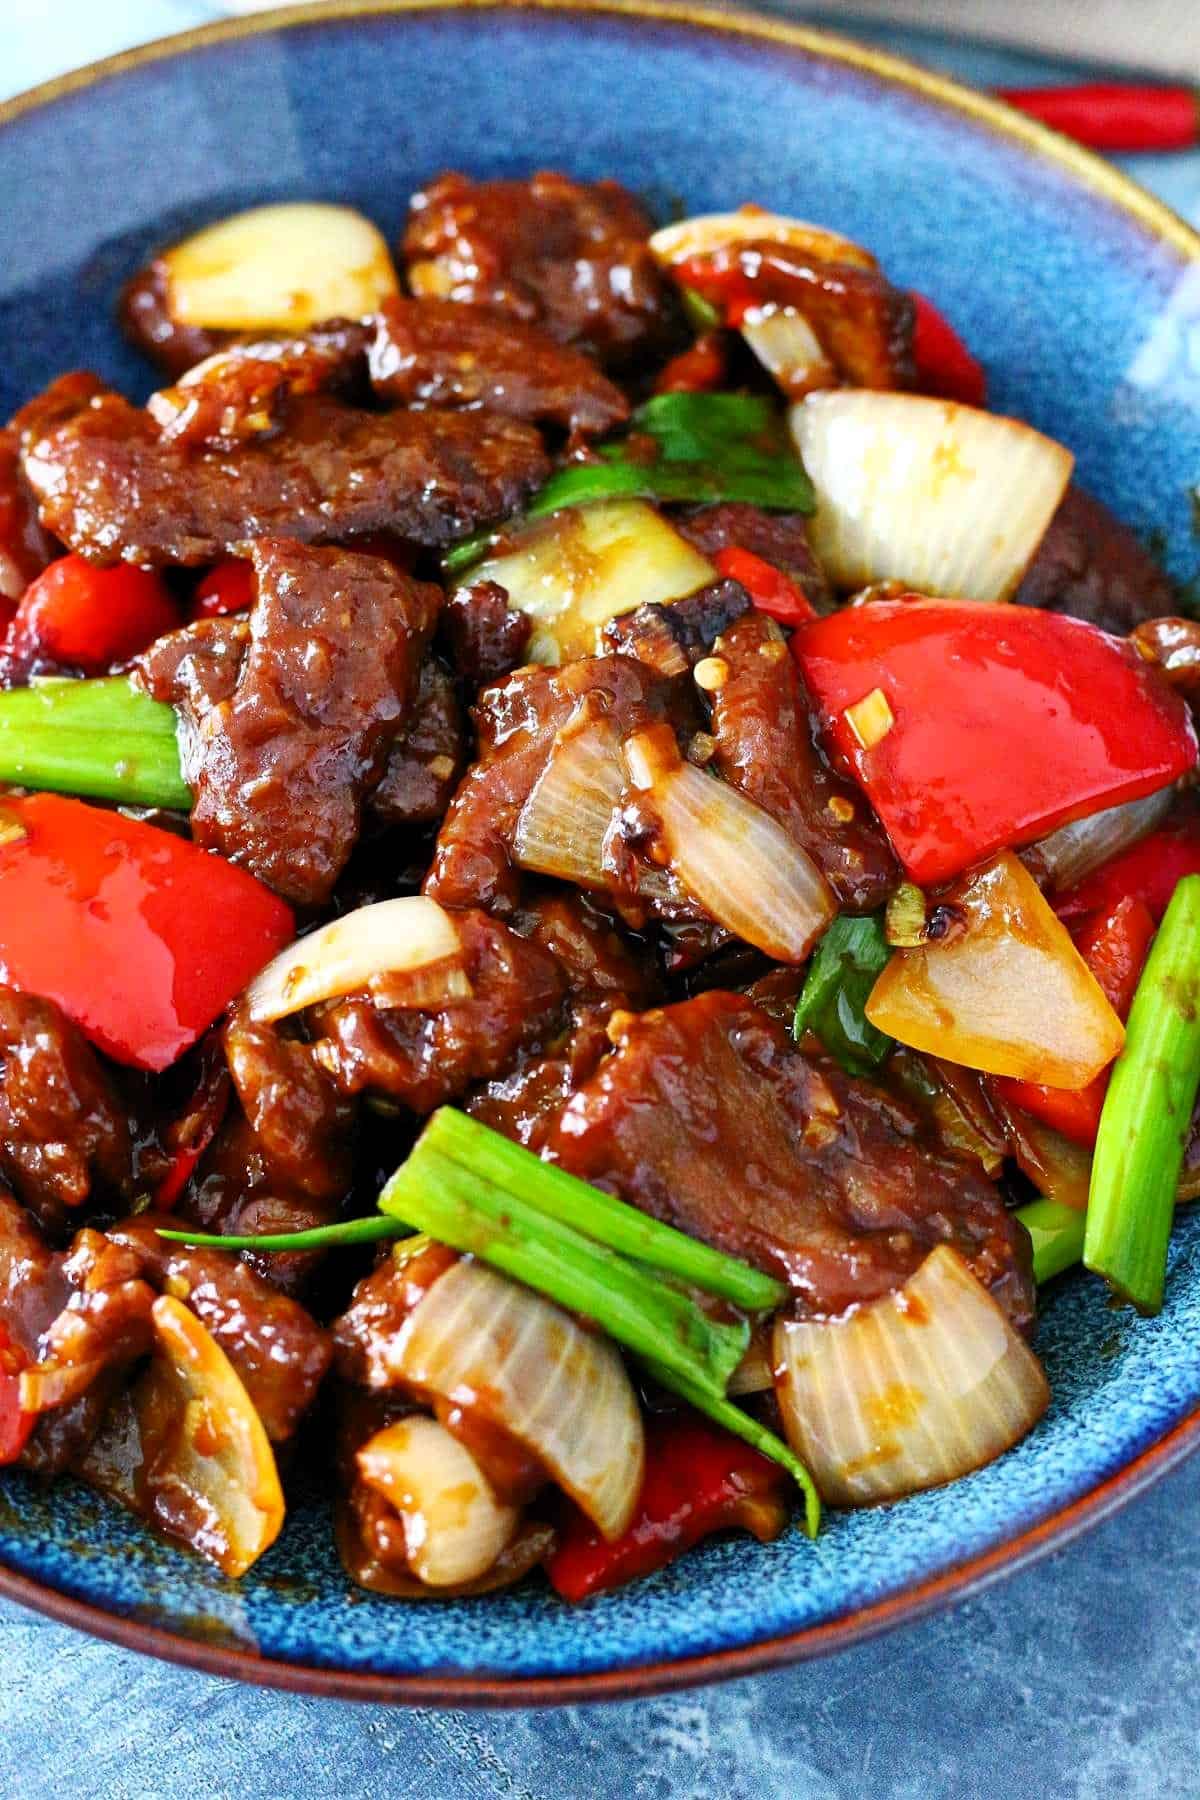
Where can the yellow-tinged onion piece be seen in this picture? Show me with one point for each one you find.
(907, 1392)
(560, 1391)
(788, 349)
(729, 854)
(1009, 993)
(562, 827)
(412, 936)
(280, 268)
(944, 497)
(586, 565)
(207, 1453)
(454, 1525)
(708, 232)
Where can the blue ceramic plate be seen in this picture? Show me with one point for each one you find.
(1083, 296)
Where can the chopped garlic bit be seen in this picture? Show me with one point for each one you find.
(871, 718)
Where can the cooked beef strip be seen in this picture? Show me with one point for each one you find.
(445, 353)
(33, 1288)
(1092, 566)
(300, 1121)
(64, 1130)
(281, 760)
(779, 538)
(147, 323)
(245, 392)
(762, 729)
(707, 1117)
(111, 490)
(427, 757)
(486, 638)
(569, 256)
(25, 548)
(672, 638)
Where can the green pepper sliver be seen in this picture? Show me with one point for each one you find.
(1147, 1113)
(1057, 1232)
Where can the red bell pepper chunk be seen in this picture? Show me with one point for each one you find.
(227, 588)
(1114, 945)
(80, 617)
(138, 935)
(1150, 870)
(699, 1479)
(945, 366)
(985, 726)
(699, 370)
(768, 587)
(15, 1423)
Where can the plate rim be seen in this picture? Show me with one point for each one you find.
(936, 1592)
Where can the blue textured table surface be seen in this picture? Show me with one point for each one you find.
(1078, 1677)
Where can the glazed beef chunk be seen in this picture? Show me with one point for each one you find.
(442, 353)
(1091, 565)
(568, 256)
(245, 392)
(673, 638)
(427, 756)
(288, 719)
(485, 637)
(764, 746)
(779, 538)
(24, 547)
(146, 320)
(707, 1117)
(109, 486)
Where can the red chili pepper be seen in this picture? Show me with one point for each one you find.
(1151, 871)
(945, 366)
(728, 289)
(768, 587)
(1114, 945)
(138, 935)
(15, 1424)
(227, 588)
(1108, 115)
(985, 727)
(699, 1479)
(700, 370)
(80, 617)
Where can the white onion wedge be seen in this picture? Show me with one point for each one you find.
(730, 855)
(391, 937)
(589, 564)
(789, 349)
(909, 1391)
(454, 1525)
(1073, 851)
(1009, 994)
(561, 1391)
(943, 497)
(280, 268)
(707, 232)
(562, 827)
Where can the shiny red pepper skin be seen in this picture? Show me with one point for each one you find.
(227, 588)
(79, 617)
(945, 366)
(138, 935)
(700, 370)
(768, 587)
(1150, 870)
(1115, 115)
(15, 1425)
(1114, 945)
(699, 1479)
(1007, 722)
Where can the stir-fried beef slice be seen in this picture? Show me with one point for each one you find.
(517, 721)
(274, 1343)
(570, 257)
(673, 638)
(281, 764)
(147, 322)
(486, 638)
(105, 1323)
(1092, 566)
(445, 353)
(236, 1191)
(424, 1058)
(25, 548)
(111, 489)
(64, 1133)
(779, 538)
(245, 392)
(764, 746)
(33, 1287)
(427, 757)
(706, 1117)
(301, 1121)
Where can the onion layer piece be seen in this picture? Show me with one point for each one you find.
(734, 859)
(454, 1525)
(707, 232)
(789, 349)
(412, 936)
(940, 496)
(1009, 993)
(910, 1391)
(279, 268)
(563, 825)
(561, 1391)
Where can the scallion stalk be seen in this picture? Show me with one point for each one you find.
(318, 1237)
(101, 739)
(1147, 1113)
(1057, 1232)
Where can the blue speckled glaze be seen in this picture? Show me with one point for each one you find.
(1089, 324)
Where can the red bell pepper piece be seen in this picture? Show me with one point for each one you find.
(80, 617)
(1114, 945)
(699, 1479)
(945, 366)
(227, 588)
(768, 587)
(987, 726)
(15, 1423)
(699, 370)
(733, 293)
(138, 935)
(1150, 870)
